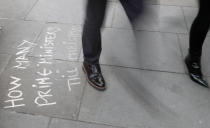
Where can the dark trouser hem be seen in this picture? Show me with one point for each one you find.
(90, 63)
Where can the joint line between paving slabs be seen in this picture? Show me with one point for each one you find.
(182, 53)
(10, 58)
(95, 123)
(185, 20)
(82, 97)
(180, 47)
(30, 9)
(143, 69)
(50, 120)
(87, 122)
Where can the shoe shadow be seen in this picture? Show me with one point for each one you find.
(137, 85)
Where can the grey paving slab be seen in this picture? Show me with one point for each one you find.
(151, 50)
(156, 18)
(64, 11)
(17, 120)
(15, 9)
(192, 3)
(60, 41)
(190, 14)
(147, 99)
(15, 31)
(58, 123)
(109, 15)
(152, 1)
(42, 86)
(3, 22)
(58, 10)
(184, 43)
(113, 0)
(4, 60)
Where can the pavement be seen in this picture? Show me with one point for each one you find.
(42, 84)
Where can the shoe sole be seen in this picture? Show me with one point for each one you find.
(92, 84)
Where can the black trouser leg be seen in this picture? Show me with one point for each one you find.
(133, 8)
(91, 38)
(200, 29)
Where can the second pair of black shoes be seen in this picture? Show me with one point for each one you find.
(194, 68)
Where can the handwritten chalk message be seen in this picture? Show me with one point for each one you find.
(42, 83)
(23, 49)
(74, 36)
(15, 95)
(48, 45)
(73, 78)
(44, 88)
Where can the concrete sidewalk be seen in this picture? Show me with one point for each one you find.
(42, 84)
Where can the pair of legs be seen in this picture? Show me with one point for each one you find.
(198, 34)
(91, 38)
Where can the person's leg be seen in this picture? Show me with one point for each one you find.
(133, 8)
(198, 32)
(91, 38)
(91, 42)
(200, 29)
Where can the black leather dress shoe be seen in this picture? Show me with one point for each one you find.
(194, 68)
(94, 76)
